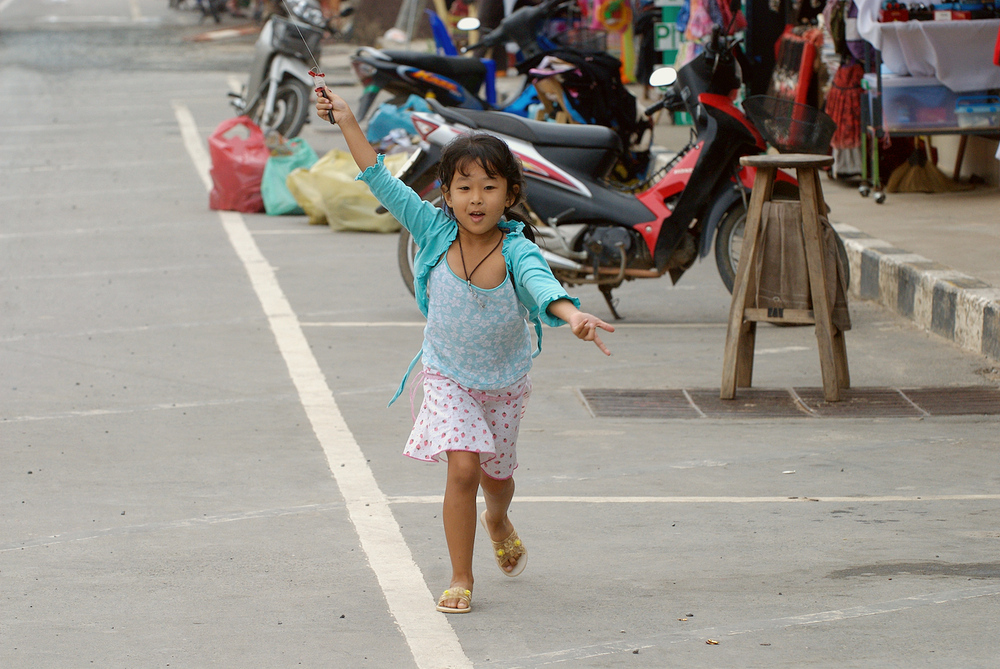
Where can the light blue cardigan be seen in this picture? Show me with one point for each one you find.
(434, 232)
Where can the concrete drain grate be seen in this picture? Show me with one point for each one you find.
(792, 403)
(970, 401)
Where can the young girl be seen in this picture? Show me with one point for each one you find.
(477, 346)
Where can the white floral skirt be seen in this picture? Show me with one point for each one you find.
(455, 418)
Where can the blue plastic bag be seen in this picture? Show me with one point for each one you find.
(278, 200)
(389, 117)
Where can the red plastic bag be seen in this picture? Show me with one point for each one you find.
(996, 50)
(237, 166)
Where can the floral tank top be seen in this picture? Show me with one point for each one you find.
(477, 337)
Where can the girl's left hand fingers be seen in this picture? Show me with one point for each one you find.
(600, 345)
(587, 330)
(590, 324)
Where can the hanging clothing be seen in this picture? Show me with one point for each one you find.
(855, 43)
(843, 104)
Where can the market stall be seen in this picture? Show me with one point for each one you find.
(929, 77)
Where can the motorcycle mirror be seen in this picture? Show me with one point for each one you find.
(468, 24)
(662, 77)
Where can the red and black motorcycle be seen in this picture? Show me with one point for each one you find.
(589, 229)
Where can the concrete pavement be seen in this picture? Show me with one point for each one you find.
(198, 468)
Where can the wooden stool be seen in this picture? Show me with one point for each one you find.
(737, 365)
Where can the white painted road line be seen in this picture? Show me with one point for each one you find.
(618, 326)
(428, 634)
(119, 411)
(568, 499)
(109, 20)
(358, 324)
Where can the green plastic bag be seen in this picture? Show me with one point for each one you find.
(278, 200)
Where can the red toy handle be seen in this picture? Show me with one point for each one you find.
(320, 81)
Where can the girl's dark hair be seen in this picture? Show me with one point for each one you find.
(490, 152)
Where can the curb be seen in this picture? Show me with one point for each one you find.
(956, 306)
(224, 33)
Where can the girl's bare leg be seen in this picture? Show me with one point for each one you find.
(460, 518)
(498, 494)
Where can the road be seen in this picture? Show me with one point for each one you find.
(198, 468)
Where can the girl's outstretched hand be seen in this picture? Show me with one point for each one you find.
(585, 327)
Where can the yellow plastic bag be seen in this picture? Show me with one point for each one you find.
(328, 193)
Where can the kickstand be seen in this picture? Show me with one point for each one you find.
(612, 303)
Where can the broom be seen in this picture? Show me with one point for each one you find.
(920, 175)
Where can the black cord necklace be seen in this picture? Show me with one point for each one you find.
(468, 274)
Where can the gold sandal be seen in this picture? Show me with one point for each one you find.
(511, 547)
(461, 594)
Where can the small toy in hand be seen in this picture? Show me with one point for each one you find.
(319, 80)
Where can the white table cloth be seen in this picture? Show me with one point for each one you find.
(958, 53)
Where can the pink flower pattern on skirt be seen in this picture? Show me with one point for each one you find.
(455, 418)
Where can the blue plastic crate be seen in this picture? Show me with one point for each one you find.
(915, 103)
(978, 111)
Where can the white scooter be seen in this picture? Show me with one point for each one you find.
(276, 97)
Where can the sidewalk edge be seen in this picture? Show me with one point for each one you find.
(939, 299)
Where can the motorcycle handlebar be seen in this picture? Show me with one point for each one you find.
(655, 107)
(720, 43)
(482, 44)
(671, 101)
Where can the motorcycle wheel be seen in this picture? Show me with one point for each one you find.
(729, 239)
(365, 102)
(406, 249)
(406, 252)
(291, 108)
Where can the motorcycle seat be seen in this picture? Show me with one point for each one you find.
(535, 132)
(469, 72)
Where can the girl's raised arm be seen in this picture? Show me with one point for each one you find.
(363, 153)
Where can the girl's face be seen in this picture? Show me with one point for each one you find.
(478, 199)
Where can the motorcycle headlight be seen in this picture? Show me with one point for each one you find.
(310, 13)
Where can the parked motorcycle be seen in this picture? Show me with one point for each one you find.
(583, 85)
(276, 96)
(590, 231)
(563, 82)
(455, 81)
